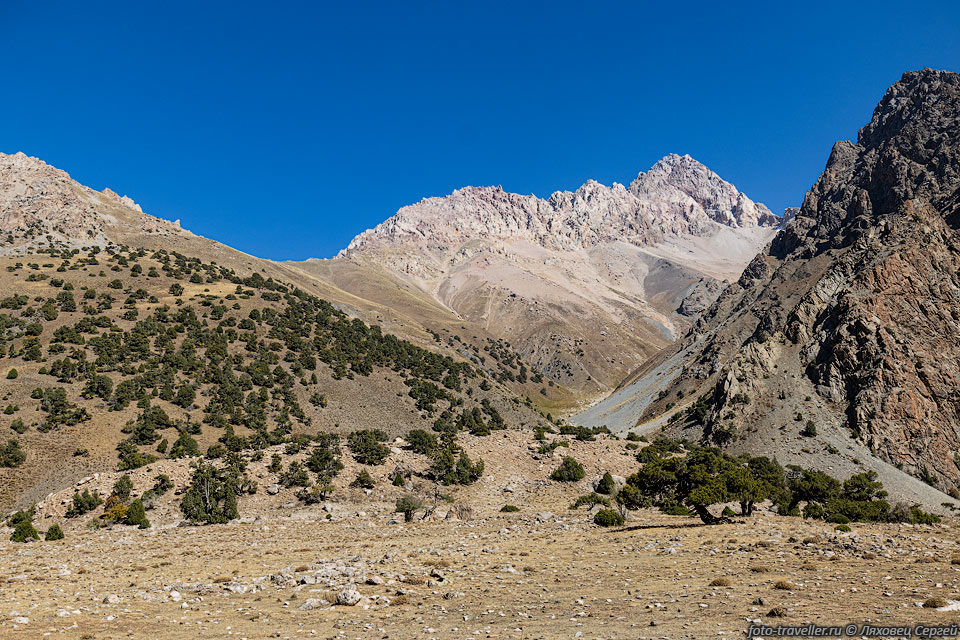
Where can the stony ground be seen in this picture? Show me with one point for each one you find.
(531, 574)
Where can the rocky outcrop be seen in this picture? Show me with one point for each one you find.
(680, 187)
(677, 196)
(40, 203)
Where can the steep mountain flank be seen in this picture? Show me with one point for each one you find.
(844, 334)
(584, 285)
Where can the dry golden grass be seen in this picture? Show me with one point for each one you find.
(437, 562)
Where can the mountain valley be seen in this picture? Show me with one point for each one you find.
(652, 410)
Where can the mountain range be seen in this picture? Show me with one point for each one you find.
(584, 285)
(827, 336)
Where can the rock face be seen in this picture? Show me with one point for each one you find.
(677, 196)
(38, 200)
(549, 275)
(851, 318)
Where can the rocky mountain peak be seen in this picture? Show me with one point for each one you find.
(699, 192)
(38, 200)
(677, 196)
(909, 151)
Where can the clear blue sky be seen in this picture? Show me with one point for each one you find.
(285, 128)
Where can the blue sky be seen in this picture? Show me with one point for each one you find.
(283, 129)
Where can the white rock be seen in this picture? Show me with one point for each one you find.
(313, 603)
(349, 597)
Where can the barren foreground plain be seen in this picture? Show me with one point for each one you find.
(351, 568)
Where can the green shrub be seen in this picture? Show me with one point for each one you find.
(122, 488)
(809, 430)
(367, 448)
(162, 484)
(18, 426)
(608, 518)
(313, 495)
(843, 527)
(24, 515)
(569, 471)
(214, 451)
(914, 514)
(212, 495)
(606, 486)
(580, 433)
(24, 531)
(509, 508)
(12, 374)
(295, 476)
(675, 510)
(11, 455)
(54, 533)
(276, 463)
(449, 469)
(185, 447)
(137, 515)
(407, 505)
(130, 457)
(422, 442)
(590, 499)
(363, 480)
(83, 503)
(632, 498)
(549, 447)
(324, 459)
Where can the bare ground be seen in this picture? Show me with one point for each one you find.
(544, 572)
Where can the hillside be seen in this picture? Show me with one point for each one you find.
(584, 286)
(137, 346)
(838, 346)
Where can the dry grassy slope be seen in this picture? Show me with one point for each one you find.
(376, 401)
(40, 203)
(369, 292)
(373, 287)
(584, 342)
